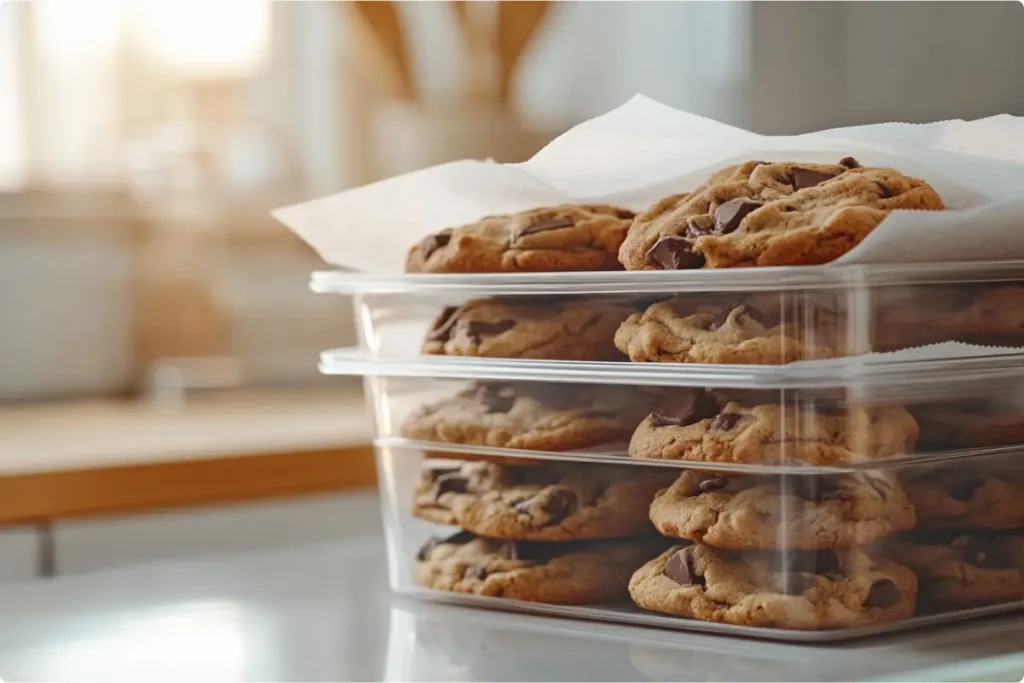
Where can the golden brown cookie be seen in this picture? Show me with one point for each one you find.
(541, 416)
(551, 328)
(556, 501)
(555, 573)
(807, 590)
(771, 214)
(970, 493)
(963, 568)
(702, 426)
(798, 512)
(684, 330)
(557, 238)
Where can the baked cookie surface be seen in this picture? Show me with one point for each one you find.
(554, 573)
(969, 494)
(550, 328)
(771, 214)
(557, 238)
(702, 426)
(531, 415)
(963, 568)
(550, 502)
(799, 512)
(793, 590)
(747, 332)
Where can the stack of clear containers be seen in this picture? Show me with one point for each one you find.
(798, 482)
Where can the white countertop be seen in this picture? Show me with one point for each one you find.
(324, 612)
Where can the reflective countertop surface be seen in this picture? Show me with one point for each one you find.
(324, 613)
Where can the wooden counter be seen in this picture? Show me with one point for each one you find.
(70, 459)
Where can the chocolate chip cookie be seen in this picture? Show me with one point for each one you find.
(752, 332)
(963, 568)
(553, 238)
(551, 328)
(702, 426)
(771, 214)
(968, 494)
(802, 512)
(792, 590)
(555, 573)
(969, 424)
(531, 415)
(975, 314)
(551, 502)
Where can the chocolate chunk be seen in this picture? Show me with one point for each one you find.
(883, 593)
(797, 583)
(723, 422)
(449, 483)
(963, 489)
(849, 162)
(496, 398)
(884, 191)
(728, 216)
(459, 538)
(685, 408)
(476, 571)
(441, 328)
(477, 329)
(681, 567)
(984, 552)
(434, 472)
(716, 484)
(673, 253)
(432, 243)
(546, 223)
(810, 562)
(806, 177)
(698, 226)
(560, 505)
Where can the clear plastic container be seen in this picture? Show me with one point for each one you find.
(782, 556)
(755, 470)
(771, 420)
(753, 316)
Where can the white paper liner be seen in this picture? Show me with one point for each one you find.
(939, 351)
(644, 150)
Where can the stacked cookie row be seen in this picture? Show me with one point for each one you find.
(795, 552)
(808, 551)
(758, 213)
(558, 533)
(968, 548)
(779, 551)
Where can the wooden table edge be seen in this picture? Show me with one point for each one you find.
(47, 496)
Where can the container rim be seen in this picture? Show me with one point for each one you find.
(855, 373)
(772, 279)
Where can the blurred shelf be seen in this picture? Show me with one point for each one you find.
(70, 459)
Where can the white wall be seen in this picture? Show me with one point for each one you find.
(780, 67)
(64, 316)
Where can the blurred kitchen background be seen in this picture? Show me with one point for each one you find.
(158, 343)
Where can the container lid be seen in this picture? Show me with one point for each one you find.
(774, 279)
(876, 376)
